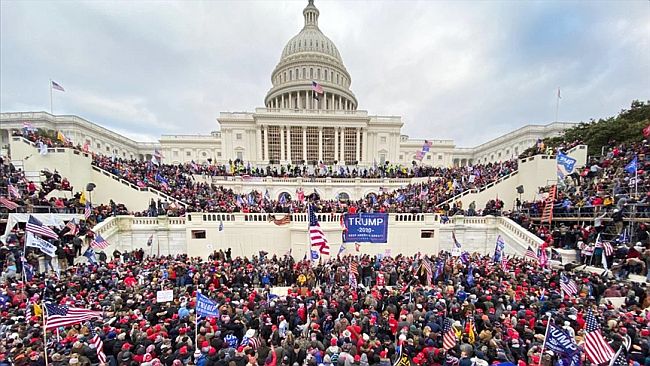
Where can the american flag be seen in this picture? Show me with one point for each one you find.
(352, 280)
(62, 316)
(596, 347)
(13, 191)
(87, 211)
(57, 86)
(99, 344)
(568, 285)
(8, 204)
(316, 235)
(354, 268)
(608, 248)
(86, 146)
(620, 359)
(317, 87)
(449, 336)
(74, 229)
(37, 227)
(504, 262)
(99, 242)
(428, 268)
(28, 310)
(28, 125)
(530, 253)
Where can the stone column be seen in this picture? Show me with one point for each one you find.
(357, 155)
(365, 148)
(289, 142)
(320, 143)
(304, 143)
(342, 145)
(299, 105)
(266, 143)
(282, 154)
(282, 105)
(258, 137)
(336, 143)
(333, 106)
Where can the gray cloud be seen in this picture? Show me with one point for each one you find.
(463, 70)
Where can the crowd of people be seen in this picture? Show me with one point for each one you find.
(496, 313)
(178, 181)
(606, 193)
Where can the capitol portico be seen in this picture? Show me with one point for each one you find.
(310, 116)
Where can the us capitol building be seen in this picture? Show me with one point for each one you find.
(297, 125)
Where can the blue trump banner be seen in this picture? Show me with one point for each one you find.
(366, 228)
(560, 342)
(565, 165)
(206, 307)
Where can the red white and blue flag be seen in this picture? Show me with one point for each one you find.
(99, 242)
(87, 211)
(13, 191)
(57, 86)
(37, 227)
(596, 347)
(10, 205)
(317, 87)
(316, 235)
(62, 316)
(98, 343)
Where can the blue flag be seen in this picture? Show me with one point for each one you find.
(464, 258)
(206, 306)
(565, 165)
(314, 255)
(90, 254)
(470, 276)
(631, 166)
(560, 342)
(29, 270)
(498, 250)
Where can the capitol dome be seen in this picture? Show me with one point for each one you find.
(310, 61)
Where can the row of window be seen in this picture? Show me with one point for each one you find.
(311, 74)
(189, 153)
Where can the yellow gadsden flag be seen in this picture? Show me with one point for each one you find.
(82, 199)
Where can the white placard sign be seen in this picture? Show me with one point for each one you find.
(455, 252)
(164, 295)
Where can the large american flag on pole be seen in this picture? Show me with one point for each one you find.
(316, 235)
(62, 316)
(596, 347)
(449, 336)
(37, 227)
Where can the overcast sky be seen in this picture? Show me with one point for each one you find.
(469, 71)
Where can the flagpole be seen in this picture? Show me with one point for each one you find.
(43, 314)
(557, 105)
(541, 353)
(51, 109)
